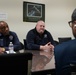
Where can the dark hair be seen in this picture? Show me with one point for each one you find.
(73, 17)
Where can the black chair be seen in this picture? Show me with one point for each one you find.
(69, 69)
(22, 45)
(73, 69)
(56, 42)
(64, 39)
(15, 64)
(25, 44)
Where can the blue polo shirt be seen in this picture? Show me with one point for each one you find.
(65, 54)
(6, 39)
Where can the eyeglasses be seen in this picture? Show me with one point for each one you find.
(72, 24)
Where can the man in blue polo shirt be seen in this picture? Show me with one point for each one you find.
(65, 53)
(7, 36)
(39, 38)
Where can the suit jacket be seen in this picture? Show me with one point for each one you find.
(65, 54)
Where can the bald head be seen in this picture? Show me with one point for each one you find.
(40, 22)
(40, 27)
(4, 29)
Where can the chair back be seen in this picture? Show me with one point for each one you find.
(22, 45)
(56, 42)
(64, 39)
(16, 64)
(25, 44)
(69, 69)
(73, 68)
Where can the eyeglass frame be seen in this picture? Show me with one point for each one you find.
(73, 24)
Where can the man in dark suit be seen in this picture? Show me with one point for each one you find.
(65, 53)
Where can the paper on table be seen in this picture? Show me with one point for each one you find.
(8, 52)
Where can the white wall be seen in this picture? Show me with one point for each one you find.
(57, 15)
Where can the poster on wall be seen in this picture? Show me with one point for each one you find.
(32, 12)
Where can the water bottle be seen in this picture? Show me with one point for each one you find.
(11, 48)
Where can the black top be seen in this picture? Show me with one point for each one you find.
(34, 39)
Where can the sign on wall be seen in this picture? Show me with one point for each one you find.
(3, 16)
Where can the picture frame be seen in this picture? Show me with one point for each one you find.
(33, 12)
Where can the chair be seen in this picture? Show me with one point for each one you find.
(56, 42)
(15, 64)
(69, 69)
(64, 39)
(73, 69)
(22, 45)
(25, 44)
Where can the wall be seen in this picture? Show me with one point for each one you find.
(57, 15)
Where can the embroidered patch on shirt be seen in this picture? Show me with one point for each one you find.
(11, 37)
(45, 36)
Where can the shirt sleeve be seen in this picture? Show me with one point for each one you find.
(30, 41)
(50, 38)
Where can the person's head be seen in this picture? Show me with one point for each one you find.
(40, 27)
(4, 29)
(72, 23)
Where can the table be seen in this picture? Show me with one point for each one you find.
(43, 62)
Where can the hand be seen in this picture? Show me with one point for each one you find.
(48, 47)
(2, 50)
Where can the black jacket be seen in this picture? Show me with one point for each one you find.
(34, 40)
